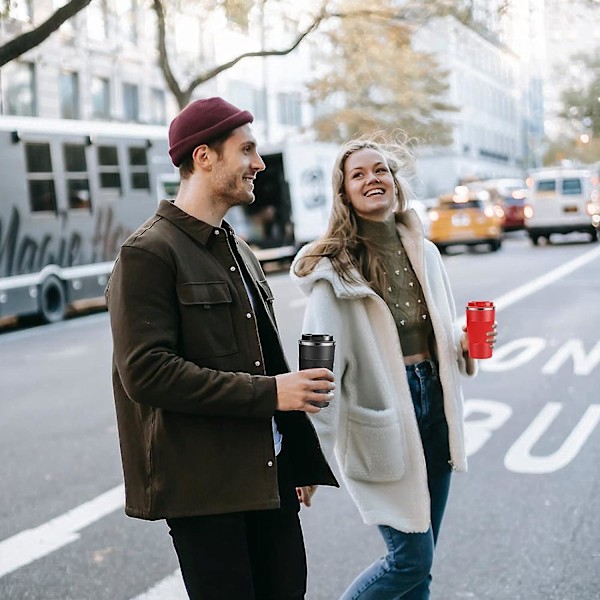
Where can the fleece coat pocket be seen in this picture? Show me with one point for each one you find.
(374, 449)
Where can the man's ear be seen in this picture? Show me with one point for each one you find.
(202, 158)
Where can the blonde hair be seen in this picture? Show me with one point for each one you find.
(341, 243)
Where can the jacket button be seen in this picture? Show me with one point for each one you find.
(217, 232)
(270, 463)
(232, 268)
(248, 315)
(257, 363)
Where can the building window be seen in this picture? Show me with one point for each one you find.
(40, 180)
(289, 109)
(129, 13)
(131, 103)
(108, 168)
(138, 167)
(18, 89)
(260, 104)
(158, 111)
(97, 20)
(100, 98)
(69, 96)
(76, 177)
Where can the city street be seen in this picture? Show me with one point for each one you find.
(522, 524)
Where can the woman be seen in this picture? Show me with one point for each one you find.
(396, 423)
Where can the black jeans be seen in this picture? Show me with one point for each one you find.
(253, 555)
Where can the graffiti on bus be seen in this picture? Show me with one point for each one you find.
(22, 252)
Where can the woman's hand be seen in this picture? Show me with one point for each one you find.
(490, 339)
(305, 494)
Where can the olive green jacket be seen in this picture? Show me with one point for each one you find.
(194, 389)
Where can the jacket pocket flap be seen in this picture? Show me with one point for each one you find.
(209, 292)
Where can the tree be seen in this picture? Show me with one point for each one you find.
(374, 79)
(237, 11)
(30, 39)
(581, 98)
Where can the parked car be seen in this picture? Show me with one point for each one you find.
(466, 217)
(562, 201)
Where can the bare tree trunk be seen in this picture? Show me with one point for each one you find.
(26, 41)
(183, 96)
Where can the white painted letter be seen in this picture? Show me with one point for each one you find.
(582, 365)
(519, 459)
(526, 349)
(478, 432)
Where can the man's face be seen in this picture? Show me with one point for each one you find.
(235, 170)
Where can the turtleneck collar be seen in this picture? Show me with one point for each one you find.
(382, 232)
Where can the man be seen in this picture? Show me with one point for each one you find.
(213, 428)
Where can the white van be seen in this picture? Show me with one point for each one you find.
(562, 201)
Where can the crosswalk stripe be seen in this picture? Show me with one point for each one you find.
(31, 544)
(170, 588)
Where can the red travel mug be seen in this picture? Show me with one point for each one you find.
(481, 316)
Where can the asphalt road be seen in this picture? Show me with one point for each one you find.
(521, 524)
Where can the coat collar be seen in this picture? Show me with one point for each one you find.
(195, 228)
(411, 233)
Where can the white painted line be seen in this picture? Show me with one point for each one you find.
(541, 282)
(170, 587)
(31, 544)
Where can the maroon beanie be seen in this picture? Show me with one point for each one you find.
(200, 122)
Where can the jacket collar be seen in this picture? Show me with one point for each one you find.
(195, 228)
(411, 233)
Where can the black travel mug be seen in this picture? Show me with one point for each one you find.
(316, 350)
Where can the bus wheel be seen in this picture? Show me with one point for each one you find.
(53, 302)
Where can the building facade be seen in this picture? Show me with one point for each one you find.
(488, 126)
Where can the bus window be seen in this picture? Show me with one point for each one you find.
(42, 196)
(138, 166)
(78, 185)
(108, 168)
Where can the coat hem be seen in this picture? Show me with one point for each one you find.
(149, 516)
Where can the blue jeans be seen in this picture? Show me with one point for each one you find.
(405, 571)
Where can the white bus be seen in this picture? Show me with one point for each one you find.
(70, 193)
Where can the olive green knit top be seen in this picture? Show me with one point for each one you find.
(403, 294)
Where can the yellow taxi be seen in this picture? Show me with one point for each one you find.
(468, 218)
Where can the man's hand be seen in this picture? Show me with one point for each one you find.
(296, 391)
(305, 494)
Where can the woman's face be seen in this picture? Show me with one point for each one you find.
(369, 185)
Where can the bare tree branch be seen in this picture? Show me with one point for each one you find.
(163, 56)
(26, 41)
(183, 95)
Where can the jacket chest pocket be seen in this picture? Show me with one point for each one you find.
(206, 318)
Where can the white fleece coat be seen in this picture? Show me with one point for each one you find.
(371, 425)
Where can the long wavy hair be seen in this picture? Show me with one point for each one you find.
(341, 243)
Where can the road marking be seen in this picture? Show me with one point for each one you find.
(170, 587)
(541, 282)
(31, 544)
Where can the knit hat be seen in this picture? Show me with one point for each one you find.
(200, 122)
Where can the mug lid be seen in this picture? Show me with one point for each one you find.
(317, 337)
(481, 304)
